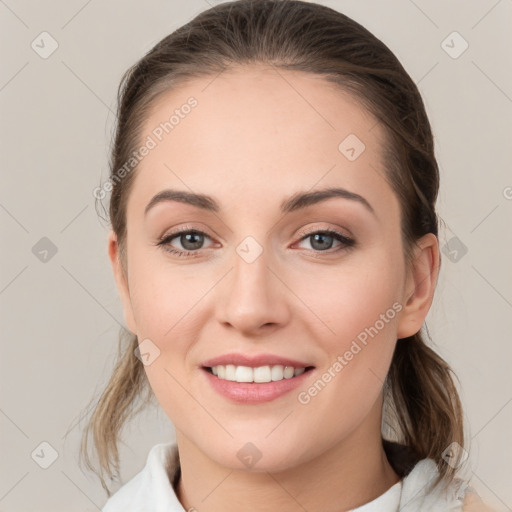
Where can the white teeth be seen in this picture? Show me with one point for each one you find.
(288, 372)
(262, 374)
(258, 374)
(277, 372)
(230, 372)
(244, 374)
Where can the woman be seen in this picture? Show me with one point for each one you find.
(274, 243)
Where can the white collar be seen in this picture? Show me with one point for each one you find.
(151, 491)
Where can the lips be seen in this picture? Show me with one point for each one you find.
(254, 361)
(257, 378)
(255, 392)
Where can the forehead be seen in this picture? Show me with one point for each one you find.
(257, 132)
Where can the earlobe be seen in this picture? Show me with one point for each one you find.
(420, 286)
(121, 281)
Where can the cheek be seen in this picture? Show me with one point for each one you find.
(169, 309)
(165, 309)
(360, 307)
(163, 296)
(354, 298)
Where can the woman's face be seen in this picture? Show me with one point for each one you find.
(257, 281)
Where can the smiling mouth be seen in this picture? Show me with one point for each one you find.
(259, 374)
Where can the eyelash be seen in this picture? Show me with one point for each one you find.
(164, 242)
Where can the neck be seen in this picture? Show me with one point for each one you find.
(350, 474)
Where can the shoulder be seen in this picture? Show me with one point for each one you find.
(418, 492)
(151, 488)
(416, 475)
(473, 503)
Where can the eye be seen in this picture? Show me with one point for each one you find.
(191, 241)
(322, 240)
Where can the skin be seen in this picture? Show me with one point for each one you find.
(256, 137)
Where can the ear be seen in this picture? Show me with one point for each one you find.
(420, 286)
(121, 281)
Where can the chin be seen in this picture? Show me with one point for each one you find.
(257, 454)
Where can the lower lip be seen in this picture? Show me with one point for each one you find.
(255, 392)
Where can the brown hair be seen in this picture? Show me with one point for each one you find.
(422, 406)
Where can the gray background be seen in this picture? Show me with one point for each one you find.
(61, 316)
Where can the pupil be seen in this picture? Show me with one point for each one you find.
(321, 237)
(185, 239)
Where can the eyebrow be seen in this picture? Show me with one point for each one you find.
(296, 202)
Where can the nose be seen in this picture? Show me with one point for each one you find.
(252, 298)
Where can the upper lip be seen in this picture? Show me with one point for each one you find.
(254, 361)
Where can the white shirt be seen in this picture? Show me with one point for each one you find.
(151, 491)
